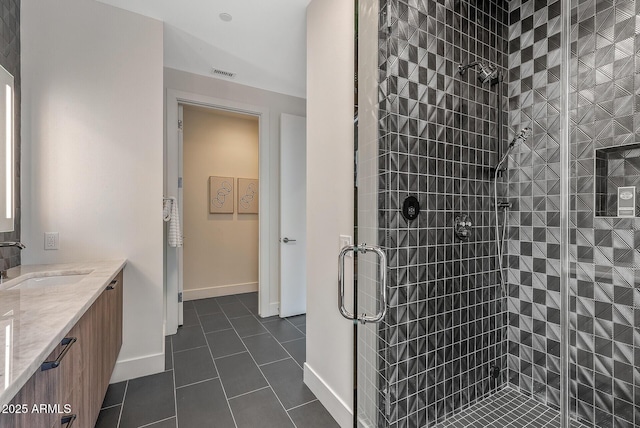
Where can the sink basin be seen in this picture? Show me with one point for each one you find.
(48, 281)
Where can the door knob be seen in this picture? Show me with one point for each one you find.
(285, 240)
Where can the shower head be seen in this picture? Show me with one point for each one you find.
(486, 73)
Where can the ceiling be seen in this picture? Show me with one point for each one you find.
(264, 44)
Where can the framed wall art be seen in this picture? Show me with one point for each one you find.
(248, 196)
(221, 195)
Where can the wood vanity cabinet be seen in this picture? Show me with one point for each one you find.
(82, 378)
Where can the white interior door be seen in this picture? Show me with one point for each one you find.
(179, 250)
(293, 218)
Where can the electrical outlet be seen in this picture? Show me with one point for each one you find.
(51, 240)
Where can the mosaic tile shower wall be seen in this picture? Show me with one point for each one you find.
(445, 328)
(605, 269)
(534, 189)
(10, 60)
(605, 305)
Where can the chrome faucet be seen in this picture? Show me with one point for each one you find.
(18, 245)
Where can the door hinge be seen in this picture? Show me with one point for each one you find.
(180, 297)
(180, 125)
(179, 182)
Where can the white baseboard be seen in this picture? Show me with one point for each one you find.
(221, 290)
(137, 367)
(340, 411)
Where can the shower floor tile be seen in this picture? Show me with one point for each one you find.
(507, 409)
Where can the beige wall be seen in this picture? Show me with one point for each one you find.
(220, 250)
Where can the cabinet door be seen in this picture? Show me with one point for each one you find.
(40, 389)
(112, 326)
(117, 321)
(74, 373)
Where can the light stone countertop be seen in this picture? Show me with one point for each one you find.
(34, 320)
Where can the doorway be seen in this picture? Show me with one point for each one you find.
(173, 176)
(220, 197)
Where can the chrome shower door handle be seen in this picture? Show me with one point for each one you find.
(382, 283)
(343, 311)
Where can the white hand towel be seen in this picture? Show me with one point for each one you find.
(175, 236)
(166, 209)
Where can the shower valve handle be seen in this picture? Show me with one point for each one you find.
(462, 226)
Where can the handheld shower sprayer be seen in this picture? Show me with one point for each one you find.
(486, 73)
(521, 137)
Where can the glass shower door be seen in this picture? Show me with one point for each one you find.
(371, 392)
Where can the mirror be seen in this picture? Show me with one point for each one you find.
(6, 151)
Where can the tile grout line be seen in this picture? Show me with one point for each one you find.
(286, 350)
(303, 404)
(254, 335)
(293, 340)
(231, 355)
(124, 396)
(198, 382)
(185, 350)
(274, 338)
(276, 361)
(262, 373)
(111, 406)
(161, 420)
(296, 327)
(173, 377)
(272, 390)
(224, 391)
(249, 392)
(278, 341)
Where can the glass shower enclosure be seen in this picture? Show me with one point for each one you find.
(552, 338)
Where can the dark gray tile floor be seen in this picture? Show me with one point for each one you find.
(226, 367)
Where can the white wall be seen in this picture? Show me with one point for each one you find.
(220, 250)
(92, 121)
(276, 104)
(328, 370)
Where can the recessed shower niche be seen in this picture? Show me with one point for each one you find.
(617, 179)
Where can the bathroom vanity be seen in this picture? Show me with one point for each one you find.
(60, 335)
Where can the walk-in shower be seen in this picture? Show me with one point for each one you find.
(538, 307)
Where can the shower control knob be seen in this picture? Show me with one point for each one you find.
(462, 227)
(411, 208)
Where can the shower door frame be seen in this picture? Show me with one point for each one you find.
(370, 396)
(564, 214)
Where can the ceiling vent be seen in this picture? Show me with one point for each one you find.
(222, 73)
